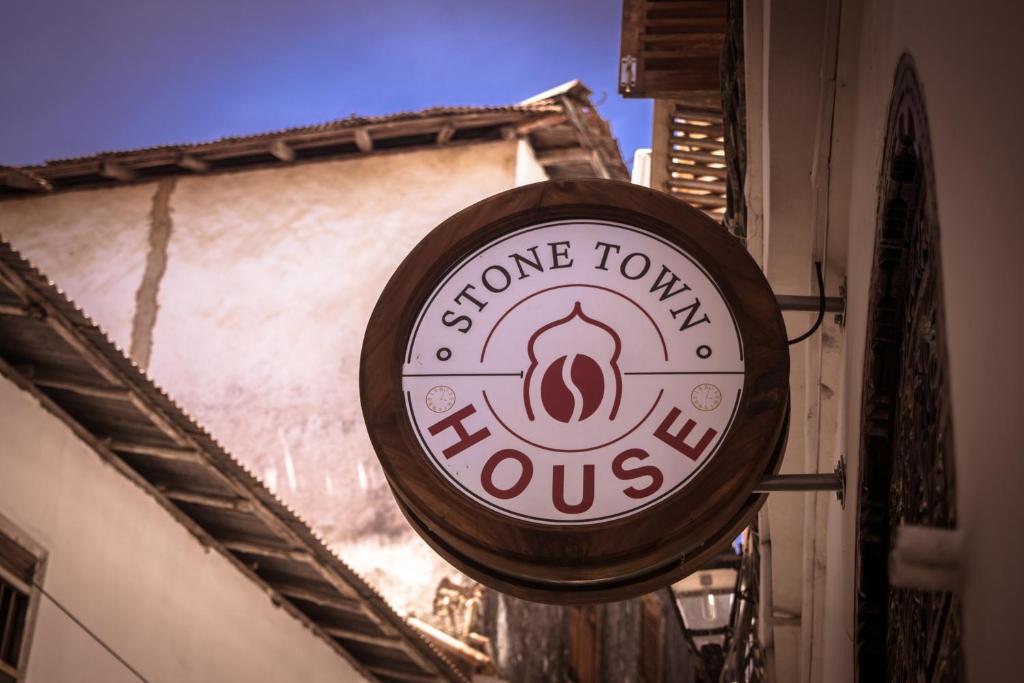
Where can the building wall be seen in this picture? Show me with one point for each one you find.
(260, 283)
(537, 643)
(528, 169)
(966, 57)
(134, 575)
(787, 233)
(247, 293)
(65, 233)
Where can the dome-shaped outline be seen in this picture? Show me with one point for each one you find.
(577, 311)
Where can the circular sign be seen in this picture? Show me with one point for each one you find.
(574, 387)
(576, 346)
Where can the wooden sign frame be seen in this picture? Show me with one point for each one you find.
(604, 561)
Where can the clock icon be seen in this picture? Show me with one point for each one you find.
(706, 397)
(440, 399)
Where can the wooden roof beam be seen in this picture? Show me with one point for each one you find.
(80, 388)
(401, 674)
(190, 162)
(15, 310)
(158, 420)
(115, 171)
(359, 637)
(339, 583)
(450, 642)
(563, 155)
(282, 151)
(267, 551)
(163, 452)
(444, 135)
(595, 160)
(206, 500)
(75, 339)
(320, 598)
(363, 140)
(24, 181)
(543, 122)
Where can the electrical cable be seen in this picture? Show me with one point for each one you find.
(85, 628)
(821, 307)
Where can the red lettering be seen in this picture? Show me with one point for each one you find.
(620, 471)
(678, 440)
(465, 438)
(558, 490)
(487, 475)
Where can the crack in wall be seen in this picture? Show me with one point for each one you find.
(146, 297)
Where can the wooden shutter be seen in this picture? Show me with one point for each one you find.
(696, 160)
(671, 48)
(688, 154)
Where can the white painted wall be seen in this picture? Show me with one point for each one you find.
(528, 169)
(968, 59)
(271, 277)
(134, 575)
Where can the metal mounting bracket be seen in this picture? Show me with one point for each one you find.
(809, 302)
(808, 482)
(821, 304)
(627, 74)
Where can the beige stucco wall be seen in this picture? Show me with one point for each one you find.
(786, 234)
(271, 275)
(103, 227)
(966, 57)
(135, 576)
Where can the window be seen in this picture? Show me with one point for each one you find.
(20, 567)
(907, 473)
(13, 613)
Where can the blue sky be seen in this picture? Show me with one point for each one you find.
(86, 76)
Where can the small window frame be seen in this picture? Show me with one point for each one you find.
(16, 536)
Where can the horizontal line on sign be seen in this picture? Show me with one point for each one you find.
(464, 374)
(688, 372)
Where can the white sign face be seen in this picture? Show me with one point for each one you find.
(573, 372)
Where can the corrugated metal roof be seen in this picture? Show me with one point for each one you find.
(347, 123)
(51, 348)
(568, 135)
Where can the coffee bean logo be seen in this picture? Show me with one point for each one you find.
(573, 387)
(584, 388)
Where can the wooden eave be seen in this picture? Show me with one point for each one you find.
(51, 349)
(563, 121)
